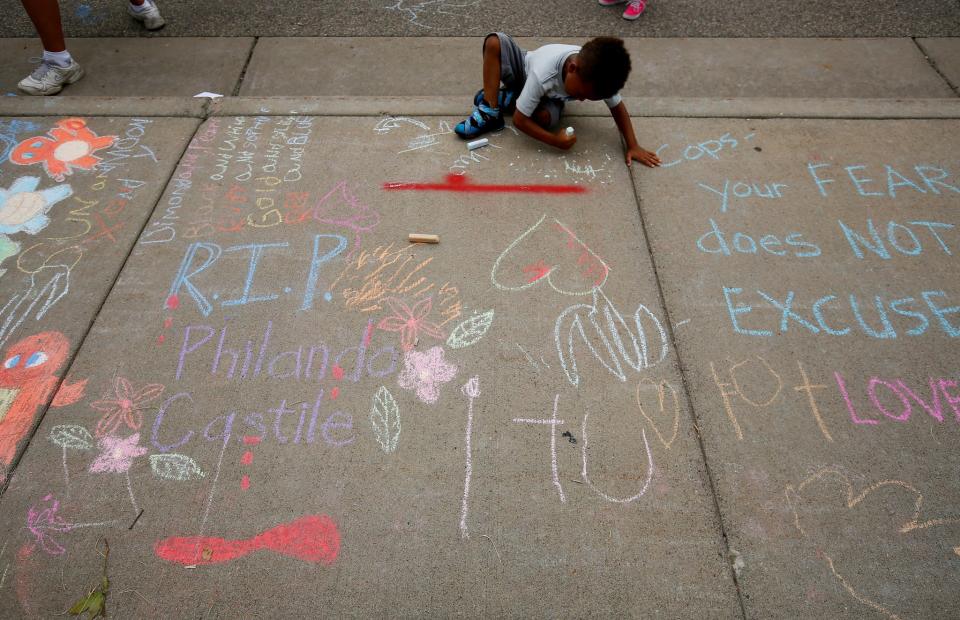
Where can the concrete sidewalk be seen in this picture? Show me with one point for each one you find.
(888, 68)
(724, 388)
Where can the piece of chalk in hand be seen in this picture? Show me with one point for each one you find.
(569, 132)
(477, 143)
(421, 238)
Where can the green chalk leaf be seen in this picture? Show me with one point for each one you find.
(72, 436)
(175, 467)
(385, 417)
(470, 331)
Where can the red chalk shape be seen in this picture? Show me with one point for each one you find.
(245, 482)
(247, 458)
(337, 373)
(172, 302)
(459, 183)
(334, 393)
(251, 440)
(313, 538)
(537, 270)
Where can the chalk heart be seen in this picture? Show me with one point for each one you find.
(659, 406)
(868, 537)
(549, 253)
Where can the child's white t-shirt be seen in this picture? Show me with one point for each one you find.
(544, 67)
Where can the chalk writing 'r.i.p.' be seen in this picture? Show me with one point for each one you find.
(210, 253)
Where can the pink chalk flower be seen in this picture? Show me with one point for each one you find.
(116, 454)
(125, 406)
(410, 322)
(43, 519)
(426, 372)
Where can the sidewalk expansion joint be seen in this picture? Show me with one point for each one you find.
(933, 65)
(685, 386)
(93, 319)
(246, 65)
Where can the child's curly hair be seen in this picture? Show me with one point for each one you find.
(605, 63)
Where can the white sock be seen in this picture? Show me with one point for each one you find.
(140, 9)
(58, 59)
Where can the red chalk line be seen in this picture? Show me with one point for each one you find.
(459, 183)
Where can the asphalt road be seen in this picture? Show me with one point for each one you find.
(573, 18)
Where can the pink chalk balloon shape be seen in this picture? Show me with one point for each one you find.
(313, 538)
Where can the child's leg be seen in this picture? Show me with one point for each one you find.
(491, 69)
(486, 114)
(541, 116)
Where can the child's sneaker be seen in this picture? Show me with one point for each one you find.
(484, 119)
(49, 79)
(634, 9)
(506, 99)
(148, 13)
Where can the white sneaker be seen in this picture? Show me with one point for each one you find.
(151, 17)
(49, 79)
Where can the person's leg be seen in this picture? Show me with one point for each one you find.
(486, 116)
(56, 68)
(45, 15)
(491, 70)
(509, 64)
(548, 113)
(541, 116)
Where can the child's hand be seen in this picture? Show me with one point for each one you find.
(643, 156)
(565, 141)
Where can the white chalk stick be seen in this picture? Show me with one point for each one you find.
(569, 131)
(477, 143)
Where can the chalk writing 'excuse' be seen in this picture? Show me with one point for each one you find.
(879, 317)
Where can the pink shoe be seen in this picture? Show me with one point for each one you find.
(634, 9)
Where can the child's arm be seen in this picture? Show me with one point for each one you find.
(634, 150)
(530, 127)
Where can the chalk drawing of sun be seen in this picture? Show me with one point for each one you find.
(70, 145)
